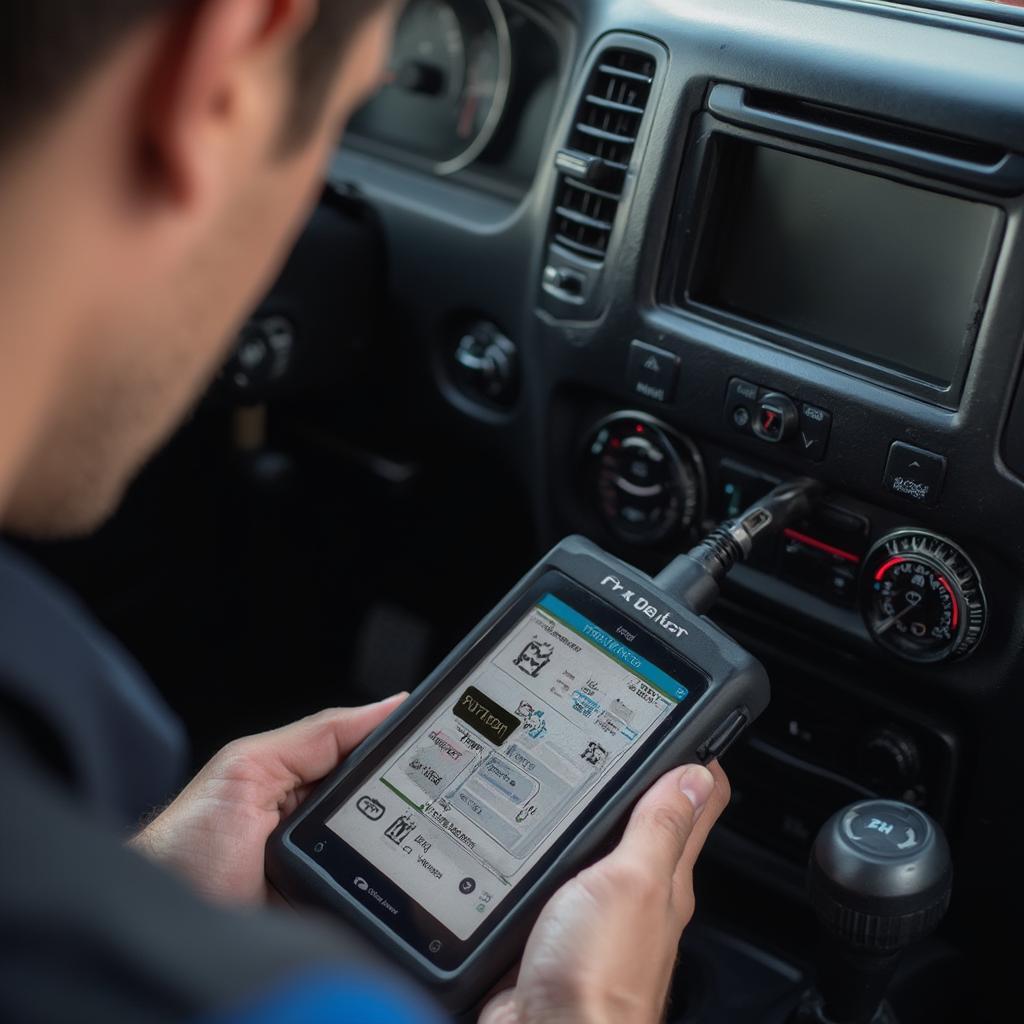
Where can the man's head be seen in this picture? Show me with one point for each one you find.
(157, 158)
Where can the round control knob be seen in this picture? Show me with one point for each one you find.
(775, 418)
(879, 879)
(487, 365)
(880, 875)
(647, 481)
(921, 597)
(890, 761)
(262, 356)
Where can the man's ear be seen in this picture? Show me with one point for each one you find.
(219, 84)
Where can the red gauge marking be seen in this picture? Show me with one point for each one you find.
(468, 117)
(813, 542)
(888, 565)
(952, 597)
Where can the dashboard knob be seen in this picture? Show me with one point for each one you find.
(645, 480)
(921, 597)
(487, 365)
(775, 418)
(890, 761)
(880, 875)
(880, 878)
(262, 356)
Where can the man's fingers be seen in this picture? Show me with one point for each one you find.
(717, 803)
(311, 748)
(501, 1009)
(662, 821)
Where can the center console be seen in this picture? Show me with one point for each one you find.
(748, 278)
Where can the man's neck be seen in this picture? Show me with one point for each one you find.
(38, 290)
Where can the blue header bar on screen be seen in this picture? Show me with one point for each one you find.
(636, 663)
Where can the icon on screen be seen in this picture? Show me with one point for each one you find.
(373, 809)
(560, 688)
(467, 885)
(534, 656)
(399, 829)
(361, 883)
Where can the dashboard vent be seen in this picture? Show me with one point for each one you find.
(596, 161)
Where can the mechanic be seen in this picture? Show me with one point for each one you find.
(157, 159)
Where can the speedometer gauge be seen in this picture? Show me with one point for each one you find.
(447, 84)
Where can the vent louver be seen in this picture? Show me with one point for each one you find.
(596, 161)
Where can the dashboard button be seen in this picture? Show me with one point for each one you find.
(653, 372)
(815, 427)
(741, 404)
(915, 474)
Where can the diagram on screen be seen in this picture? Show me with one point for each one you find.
(534, 656)
(501, 766)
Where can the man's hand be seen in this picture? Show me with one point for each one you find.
(604, 948)
(215, 832)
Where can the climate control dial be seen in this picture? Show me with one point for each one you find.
(921, 597)
(646, 481)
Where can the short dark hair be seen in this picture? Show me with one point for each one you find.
(49, 47)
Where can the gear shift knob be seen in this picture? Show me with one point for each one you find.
(879, 879)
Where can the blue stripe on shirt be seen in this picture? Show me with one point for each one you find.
(333, 999)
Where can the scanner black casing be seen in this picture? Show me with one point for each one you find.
(738, 682)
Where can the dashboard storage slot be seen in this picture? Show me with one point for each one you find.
(948, 157)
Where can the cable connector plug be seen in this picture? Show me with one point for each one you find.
(695, 578)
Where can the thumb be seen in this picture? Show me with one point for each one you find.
(502, 1009)
(663, 819)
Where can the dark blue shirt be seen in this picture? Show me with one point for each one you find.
(91, 931)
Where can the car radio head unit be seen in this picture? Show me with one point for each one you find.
(856, 265)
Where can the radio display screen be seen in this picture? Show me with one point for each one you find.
(886, 273)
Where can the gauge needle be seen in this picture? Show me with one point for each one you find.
(468, 115)
(889, 623)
